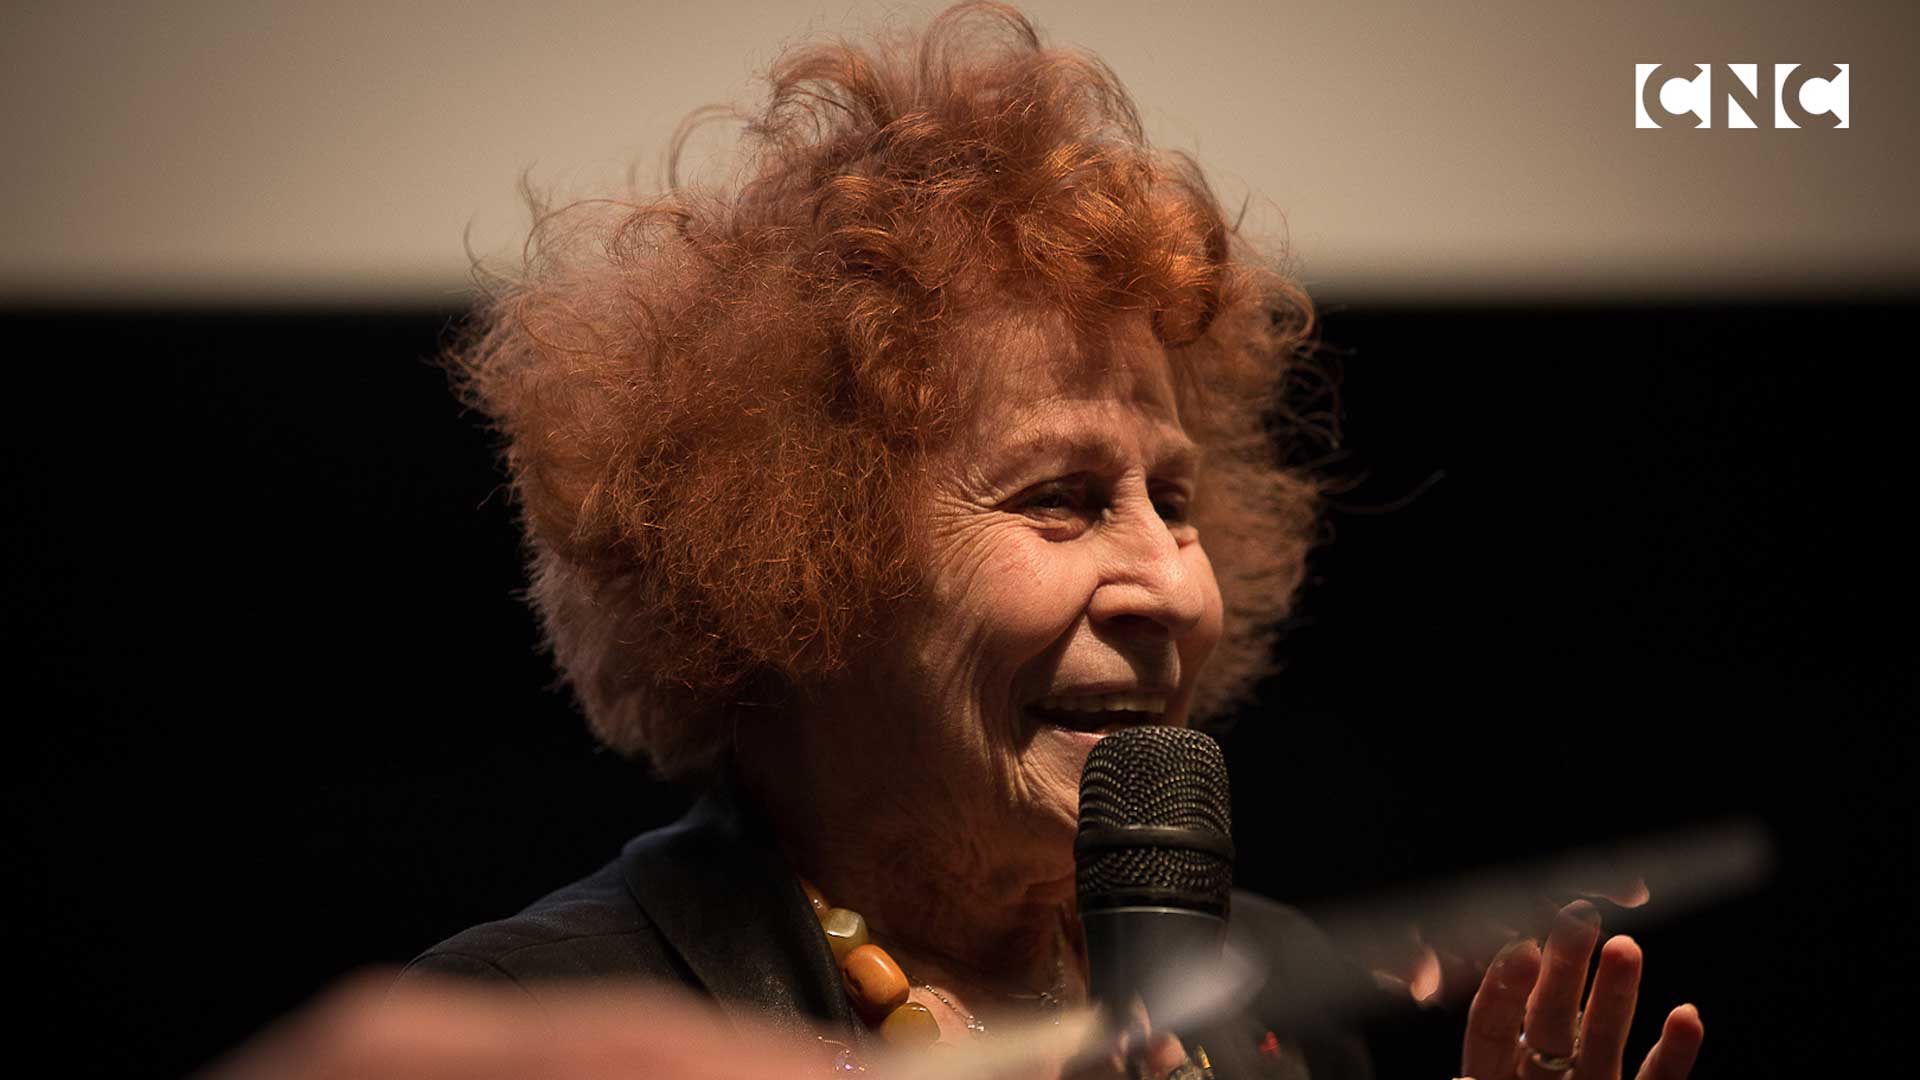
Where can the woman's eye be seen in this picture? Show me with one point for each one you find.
(1055, 498)
(1074, 501)
(1171, 506)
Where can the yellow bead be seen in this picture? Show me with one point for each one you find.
(874, 981)
(846, 931)
(911, 1024)
(819, 902)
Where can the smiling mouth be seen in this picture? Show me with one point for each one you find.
(1100, 713)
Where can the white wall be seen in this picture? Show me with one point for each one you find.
(319, 152)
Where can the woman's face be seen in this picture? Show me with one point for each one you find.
(1068, 597)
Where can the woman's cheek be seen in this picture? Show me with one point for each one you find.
(1198, 645)
(1041, 594)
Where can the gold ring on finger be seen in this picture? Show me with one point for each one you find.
(1550, 1062)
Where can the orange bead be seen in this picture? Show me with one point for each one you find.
(819, 902)
(874, 981)
(911, 1024)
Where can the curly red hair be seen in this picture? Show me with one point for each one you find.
(714, 402)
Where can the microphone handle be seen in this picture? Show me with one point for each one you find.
(1147, 951)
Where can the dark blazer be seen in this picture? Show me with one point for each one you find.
(705, 903)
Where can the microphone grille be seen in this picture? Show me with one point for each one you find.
(1155, 776)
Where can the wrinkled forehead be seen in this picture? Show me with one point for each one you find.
(1011, 362)
(1032, 390)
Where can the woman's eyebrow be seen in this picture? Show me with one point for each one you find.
(1181, 456)
(1174, 452)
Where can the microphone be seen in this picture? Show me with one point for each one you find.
(1153, 867)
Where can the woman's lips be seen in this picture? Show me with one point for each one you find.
(1095, 711)
(1095, 721)
(1148, 701)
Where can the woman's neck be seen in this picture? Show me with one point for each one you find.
(946, 906)
(944, 929)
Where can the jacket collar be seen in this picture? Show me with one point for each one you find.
(735, 913)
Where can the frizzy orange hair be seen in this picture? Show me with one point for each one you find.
(714, 402)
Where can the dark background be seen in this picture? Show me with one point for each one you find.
(279, 715)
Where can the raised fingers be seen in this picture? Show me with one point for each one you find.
(1164, 1053)
(1672, 1057)
(1556, 996)
(1609, 1013)
(1628, 891)
(1498, 1009)
(1403, 963)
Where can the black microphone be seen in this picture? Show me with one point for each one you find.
(1153, 865)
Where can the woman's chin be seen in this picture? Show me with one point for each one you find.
(1057, 752)
(1052, 760)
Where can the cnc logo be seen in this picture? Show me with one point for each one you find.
(1740, 95)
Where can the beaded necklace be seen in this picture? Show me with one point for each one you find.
(878, 987)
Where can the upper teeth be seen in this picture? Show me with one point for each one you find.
(1152, 703)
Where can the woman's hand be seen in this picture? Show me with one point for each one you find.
(1141, 1053)
(1539, 994)
(1441, 963)
(366, 1028)
(358, 1030)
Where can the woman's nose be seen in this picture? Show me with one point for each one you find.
(1147, 580)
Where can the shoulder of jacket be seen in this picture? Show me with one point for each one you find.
(591, 928)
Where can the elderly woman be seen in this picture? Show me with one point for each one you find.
(871, 493)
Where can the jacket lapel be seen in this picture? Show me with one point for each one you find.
(737, 917)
